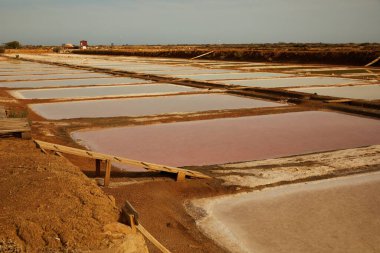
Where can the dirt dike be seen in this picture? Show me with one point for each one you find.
(48, 205)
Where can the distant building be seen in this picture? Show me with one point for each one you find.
(83, 44)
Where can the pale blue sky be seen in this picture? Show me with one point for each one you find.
(50, 22)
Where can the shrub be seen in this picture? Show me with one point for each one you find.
(12, 45)
(2, 50)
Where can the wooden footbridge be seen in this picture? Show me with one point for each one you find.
(108, 159)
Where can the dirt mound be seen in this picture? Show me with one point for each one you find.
(49, 205)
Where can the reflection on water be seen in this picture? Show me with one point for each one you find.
(52, 76)
(292, 82)
(72, 82)
(369, 92)
(240, 75)
(235, 139)
(146, 106)
(82, 92)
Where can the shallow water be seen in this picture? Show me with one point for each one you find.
(103, 91)
(134, 107)
(293, 82)
(232, 76)
(53, 76)
(220, 141)
(343, 71)
(41, 72)
(369, 92)
(71, 82)
(191, 71)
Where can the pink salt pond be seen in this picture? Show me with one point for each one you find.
(221, 141)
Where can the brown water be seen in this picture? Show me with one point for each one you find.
(133, 107)
(103, 91)
(369, 92)
(236, 139)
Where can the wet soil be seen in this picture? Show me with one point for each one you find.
(161, 210)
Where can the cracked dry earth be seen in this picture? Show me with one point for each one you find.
(48, 205)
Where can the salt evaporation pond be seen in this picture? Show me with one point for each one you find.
(221, 141)
(369, 92)
(336, 215)
(292, 82)
(186, 71)
(53, 76)
(41, 72)
(72, 82)
(232, 76)
(102, 91)
(343, 71)
(133, 107)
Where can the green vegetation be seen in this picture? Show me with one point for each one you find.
(12, 45)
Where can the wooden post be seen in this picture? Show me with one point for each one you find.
(132, 223)
(58, 154)
(108, 173)
(26, 135)
(97, 167)
(181, 176)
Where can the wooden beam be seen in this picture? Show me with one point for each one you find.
(373, 62)
(107, 176)
(199, 56)
(58, 153)
(343, 100)
(97, 167)
(111, 158)
(181, 176)
(152, 239)
(132, 222)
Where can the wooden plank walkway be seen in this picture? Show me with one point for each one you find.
(99, 157)
(15, 125)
